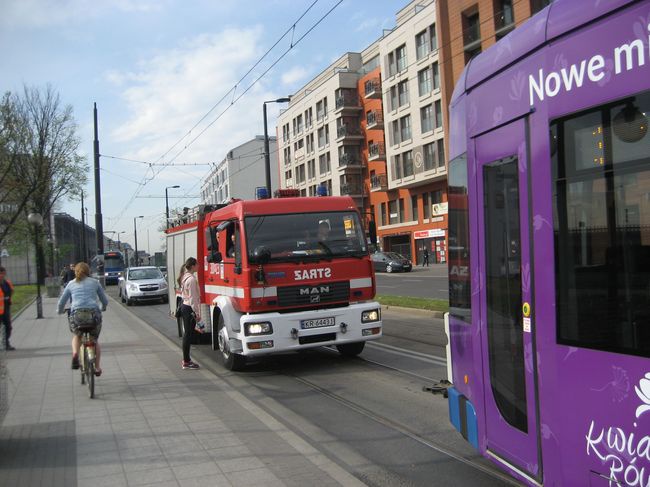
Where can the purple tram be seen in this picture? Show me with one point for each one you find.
(549, 247)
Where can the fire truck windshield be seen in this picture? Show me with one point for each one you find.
(306, 236)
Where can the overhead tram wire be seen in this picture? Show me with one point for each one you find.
(145, 179)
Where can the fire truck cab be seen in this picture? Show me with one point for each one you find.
(279, 275)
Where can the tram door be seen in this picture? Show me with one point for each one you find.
(506, 294)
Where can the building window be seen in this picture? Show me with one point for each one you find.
(300, 174)
(436, 196)
(424, 82)
(414, 208)
(395, 132)
(309, 121)
(436, 76)
(438, 106)
(310, 143)
(311, 168)
(285, 132)
(426, 118)
(403, 92)
(429, 152)
(401, 210)
(287, 174)
(422, 44)
(434, 38)
(321, 109)
(397, 167)
(393, 214)
(441, 154)
(407, 162)
(287, 155)
(426, 209)
(405, 128)
(324, 163)
(393, 98)
(537, 5)
(323, 136)
(400, 54)
(382, 214)
(471, 28)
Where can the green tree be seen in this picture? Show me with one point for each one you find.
(39, 158)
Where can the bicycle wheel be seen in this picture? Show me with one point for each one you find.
(82, 363)
(90, 371)
(91, 379)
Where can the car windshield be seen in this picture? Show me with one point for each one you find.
(138, 274)
(306, 236)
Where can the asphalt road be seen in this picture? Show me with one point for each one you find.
(423, 282)
(370, 414)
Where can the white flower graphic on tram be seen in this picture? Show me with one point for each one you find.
(643, 391)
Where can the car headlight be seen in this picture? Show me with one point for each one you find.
(163, 285)
(370, 316)
(262, 328)
(133, 287)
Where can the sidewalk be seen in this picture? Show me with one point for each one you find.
(151, 423)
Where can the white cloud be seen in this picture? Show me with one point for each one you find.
(293, 76)
(169, 93)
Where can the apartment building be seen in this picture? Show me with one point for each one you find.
(411, 213)
(240, 172)
(468, 27)
(320, 137)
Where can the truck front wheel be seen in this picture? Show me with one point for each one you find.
(231, 361)
(351, 349)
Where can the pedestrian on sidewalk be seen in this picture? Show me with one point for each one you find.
(83, 291)
(6, 290)
(425, 257)
(67, 275)
(190, 309)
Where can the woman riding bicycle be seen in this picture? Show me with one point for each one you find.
(83, 290)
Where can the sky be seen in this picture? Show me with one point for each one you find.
(175, 83)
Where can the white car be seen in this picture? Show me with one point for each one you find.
(142, 284)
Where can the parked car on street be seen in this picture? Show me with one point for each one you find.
(390, 262)
(142, 284)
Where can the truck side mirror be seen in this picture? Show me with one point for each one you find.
(215, 257)
(211, 238)
(261, 255)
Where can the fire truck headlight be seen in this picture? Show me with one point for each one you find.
(370, 316)
(263, 328)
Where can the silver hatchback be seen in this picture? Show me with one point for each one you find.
(142, 284)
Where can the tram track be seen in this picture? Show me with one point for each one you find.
(400, 428)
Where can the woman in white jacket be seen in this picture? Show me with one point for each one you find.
(190, 309)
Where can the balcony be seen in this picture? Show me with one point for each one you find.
(375, 120)
(378, 182)
(372, 88)
(347, 103)
(376, 152)
(353, 189)
(348, 132)
(350, 161)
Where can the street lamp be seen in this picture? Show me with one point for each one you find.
(135, 235)
(167, 203)
(267, 156)
(37, 220)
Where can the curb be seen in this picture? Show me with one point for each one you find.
(434, 314)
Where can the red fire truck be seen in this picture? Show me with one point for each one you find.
(278, 275)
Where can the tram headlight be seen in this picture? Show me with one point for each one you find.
(261, 328)
(370, 316)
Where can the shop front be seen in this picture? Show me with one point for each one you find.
(434, 241)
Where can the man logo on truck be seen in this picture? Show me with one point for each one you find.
(314, 290)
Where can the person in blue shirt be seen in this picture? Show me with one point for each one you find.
(84, 291)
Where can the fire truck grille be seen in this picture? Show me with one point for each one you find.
(314, 294)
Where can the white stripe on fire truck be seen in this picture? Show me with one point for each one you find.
(236, 292)
(363, 282)
(264, 292)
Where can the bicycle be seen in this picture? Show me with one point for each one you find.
(87, 358)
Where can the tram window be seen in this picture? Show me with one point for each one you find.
(460, 294)
(602, 227)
